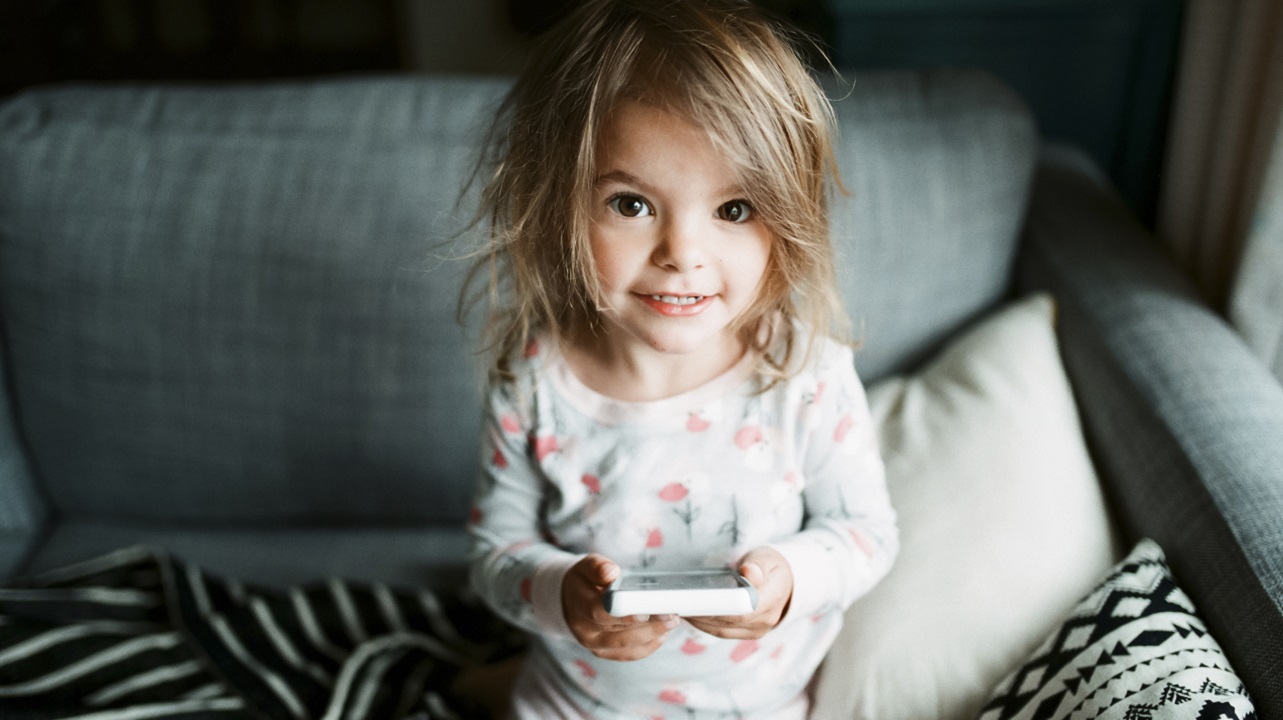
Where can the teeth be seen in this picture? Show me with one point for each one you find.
(674, 300)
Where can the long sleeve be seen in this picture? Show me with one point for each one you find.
(849, 537)
(514, 569)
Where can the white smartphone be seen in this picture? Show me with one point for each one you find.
(688, 593)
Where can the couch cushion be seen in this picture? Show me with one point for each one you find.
(227, 304)
(231, 304)
(408, 557)
(1003, 526)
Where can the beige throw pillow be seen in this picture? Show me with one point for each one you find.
(1003, 526)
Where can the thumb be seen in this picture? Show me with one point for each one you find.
(600, 570)
(753, 573)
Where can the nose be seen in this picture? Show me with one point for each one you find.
(683, 245)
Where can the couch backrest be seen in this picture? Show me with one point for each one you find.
(938, 167)
(236, 304)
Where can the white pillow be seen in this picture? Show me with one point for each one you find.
(1002, 521)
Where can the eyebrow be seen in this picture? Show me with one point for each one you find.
(619, 176)
(624, 178)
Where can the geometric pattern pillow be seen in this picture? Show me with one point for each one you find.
(1133, 649)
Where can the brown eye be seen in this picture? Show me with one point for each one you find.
(629, 206)
(736, 211)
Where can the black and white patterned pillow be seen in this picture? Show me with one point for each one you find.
(1134, 649)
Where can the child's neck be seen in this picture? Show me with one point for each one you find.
(634, 374)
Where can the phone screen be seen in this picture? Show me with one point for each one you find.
(694, 580)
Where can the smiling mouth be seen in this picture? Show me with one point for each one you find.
(677, 299)
(677, 306)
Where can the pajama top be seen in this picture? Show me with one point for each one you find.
(696, 480)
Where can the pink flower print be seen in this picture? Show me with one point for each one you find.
(592, 482)
(673, 492)
(810, 401)
(696, 423)
(756, 444)
(748, 436)
(862, 542)
(844, 427)
(498, 460)
(518, 546)
(693, 647)
(777, 653)
(672, 697)
(787, 489)
(743, 649)
(510, 424)
(654, 538)
(474, 515)
(531, 349)
(545, 446)
(588, 670)
(527, 589)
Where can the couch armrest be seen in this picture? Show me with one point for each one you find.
(1185, 424)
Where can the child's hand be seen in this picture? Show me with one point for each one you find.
(607, 636)
(768, 571)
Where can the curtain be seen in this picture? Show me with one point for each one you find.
(1221, 199)
(1256, 303)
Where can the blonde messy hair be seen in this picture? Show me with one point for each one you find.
(719, 65)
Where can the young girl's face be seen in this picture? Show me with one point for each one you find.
(680, 253)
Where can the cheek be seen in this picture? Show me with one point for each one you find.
(752, 264)
(757, 283)
(611, 263)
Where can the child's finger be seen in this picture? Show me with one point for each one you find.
(634, 642)
(615, 623)
(721, 622)
(606, 571)
(596, 570)
(753, 573)
(729, 632)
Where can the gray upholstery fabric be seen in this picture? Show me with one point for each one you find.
(937, 168)
(1185, 422)
(22, 511)
(225, 306)
(228, 305)
(419, 556)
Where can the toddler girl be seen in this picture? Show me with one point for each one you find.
(665, 392)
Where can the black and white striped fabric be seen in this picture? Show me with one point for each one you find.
(137, 635)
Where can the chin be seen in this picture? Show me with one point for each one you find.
(674, 348)
(671, 343)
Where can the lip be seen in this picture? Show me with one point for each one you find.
(670, 309)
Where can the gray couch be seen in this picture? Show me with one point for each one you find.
(228, 319)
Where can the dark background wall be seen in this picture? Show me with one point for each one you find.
(1096, 73)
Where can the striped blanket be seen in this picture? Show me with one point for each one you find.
(138, 634)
